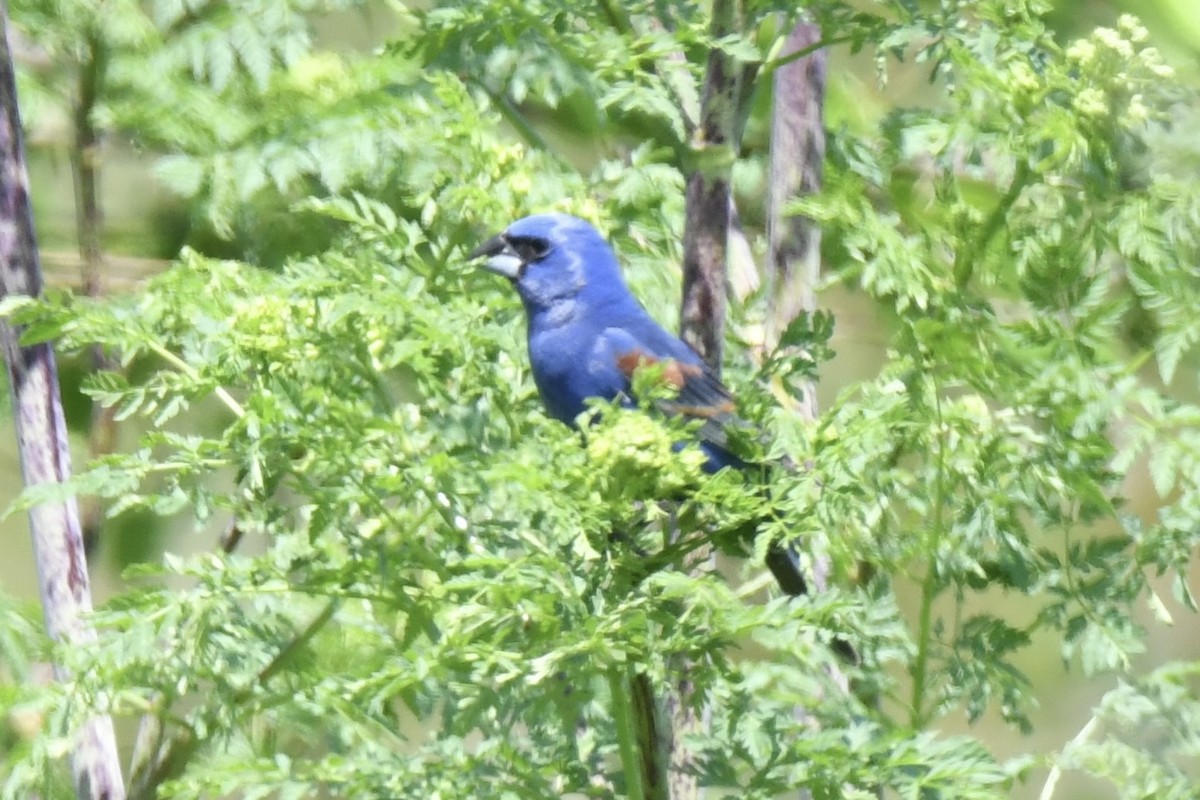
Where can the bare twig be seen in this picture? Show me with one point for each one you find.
(85, 161)
(1085, 733)
(42, 440)
(85, 170)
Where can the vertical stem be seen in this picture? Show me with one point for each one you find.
(85, 172)
(627, 737)
(649, 737)
(706, 228)
(1085, 733)
(929, 586)
(684, 719)
(42, 441)
(85, 162)
(921, 663)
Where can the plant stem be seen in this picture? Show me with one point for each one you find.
(1051, 784)
(617, 17)
(304, 637)
(921, 665)
(85, 163)
(187, 369)
(85, 171)
(722, 115)
(796, 55)
(929, 586)
(964, 262)
(627, 746)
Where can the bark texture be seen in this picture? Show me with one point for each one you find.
(42, 441)
(796, 160)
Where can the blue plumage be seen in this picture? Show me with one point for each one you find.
(588, 334)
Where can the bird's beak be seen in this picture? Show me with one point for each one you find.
(502, 259)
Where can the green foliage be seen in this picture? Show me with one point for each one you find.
(1008, 338)
(444, 583)
(1141, 735)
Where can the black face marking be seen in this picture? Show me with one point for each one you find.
(529, 248)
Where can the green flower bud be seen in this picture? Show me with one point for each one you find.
(1091, 102)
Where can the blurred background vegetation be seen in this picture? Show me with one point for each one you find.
(157, 195)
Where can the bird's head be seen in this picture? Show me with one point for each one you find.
(554, 260)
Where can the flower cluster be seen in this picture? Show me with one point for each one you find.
(1119, 72)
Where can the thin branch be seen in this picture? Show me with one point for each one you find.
(187, 369)
(42, 440)
(1084, 734)
(929, 585)
(617, 17)
(85, 172)
(85, 161)
(513, 116)
(804, 52)
(795, 55)
(964, 261)
(304, 637)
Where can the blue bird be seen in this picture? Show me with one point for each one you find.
(588, 334)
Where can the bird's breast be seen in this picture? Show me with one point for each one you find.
(566, 372)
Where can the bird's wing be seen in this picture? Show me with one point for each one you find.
(700, 393)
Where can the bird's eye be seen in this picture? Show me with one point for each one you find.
(529, 248)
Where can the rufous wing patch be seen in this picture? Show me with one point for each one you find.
(674, 372)
(704, 412)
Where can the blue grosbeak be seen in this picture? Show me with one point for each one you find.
(588, 335)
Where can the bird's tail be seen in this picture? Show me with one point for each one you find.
(784, 564)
